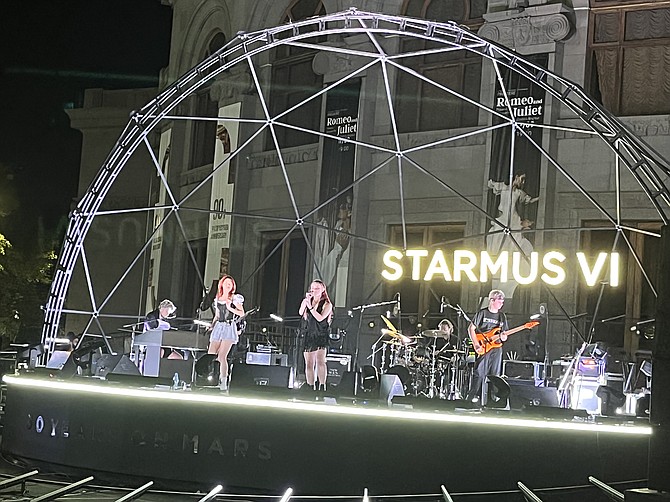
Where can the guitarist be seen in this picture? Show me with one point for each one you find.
(489, 360)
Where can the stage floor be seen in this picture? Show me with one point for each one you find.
(264, 442)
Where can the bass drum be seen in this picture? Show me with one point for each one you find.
(418, 383)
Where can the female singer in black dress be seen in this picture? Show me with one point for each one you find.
(316, 311)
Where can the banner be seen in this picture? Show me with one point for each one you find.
(223, 183)
(331, 243)
(513, 201)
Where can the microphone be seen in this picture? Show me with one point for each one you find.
(443, 302)
(396, 309)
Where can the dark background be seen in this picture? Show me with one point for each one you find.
(50, 51)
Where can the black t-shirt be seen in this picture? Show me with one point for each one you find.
(485, 321)
(152, 319)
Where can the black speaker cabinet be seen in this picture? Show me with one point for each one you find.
(250, 376)
(118, 364)
(349, 385)
(337, 365)
(183, 367)
(523, 396)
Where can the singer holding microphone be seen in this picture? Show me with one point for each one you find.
(316, 311)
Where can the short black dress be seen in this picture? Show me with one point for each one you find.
(316, 332)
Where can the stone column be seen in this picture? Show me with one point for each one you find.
(527, 26)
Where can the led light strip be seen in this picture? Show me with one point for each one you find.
(470, 419)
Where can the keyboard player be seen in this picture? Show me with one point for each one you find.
(158, 319)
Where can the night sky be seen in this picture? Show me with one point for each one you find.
(50, 51)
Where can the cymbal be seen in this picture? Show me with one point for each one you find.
(392, 342)
(398, 336)
(389, 324)
(435, 333)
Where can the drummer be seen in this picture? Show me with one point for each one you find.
(447, 329)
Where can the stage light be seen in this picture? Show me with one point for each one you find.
(212, 494)
(164, 394)
(541, 312)
(371, 324)
(369, 377)
(287, 495)
(275, 317)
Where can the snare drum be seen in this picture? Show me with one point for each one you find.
(421, 354)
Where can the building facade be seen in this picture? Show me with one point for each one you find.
(553, 188)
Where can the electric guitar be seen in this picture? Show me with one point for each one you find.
(492, 339)
(241, 321)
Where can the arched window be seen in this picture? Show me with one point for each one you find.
(293, 80)
(422, 106)
(204, 131)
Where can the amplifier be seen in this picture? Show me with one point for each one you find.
(523, 370)
(267, 359)
(250, 376)
(337, 364)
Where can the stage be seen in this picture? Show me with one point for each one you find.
(265, 442)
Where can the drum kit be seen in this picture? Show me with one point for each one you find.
(432, 363)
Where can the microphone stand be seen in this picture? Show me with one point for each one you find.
(374, 349)
(362, 308)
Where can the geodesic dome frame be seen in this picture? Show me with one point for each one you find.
(631, 156)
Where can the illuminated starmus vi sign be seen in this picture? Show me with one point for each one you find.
(550, 267)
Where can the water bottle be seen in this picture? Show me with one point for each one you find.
(175, 381)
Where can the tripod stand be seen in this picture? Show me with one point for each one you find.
(457, 376)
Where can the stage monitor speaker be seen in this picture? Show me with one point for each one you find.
(611, 399)
(114, 363)
(425, 403)
(61, 361)
(138, 380)
(389, 387)
(252, 376)
(497, 392)
(523, 396)
(207, 370)
(350, 385)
